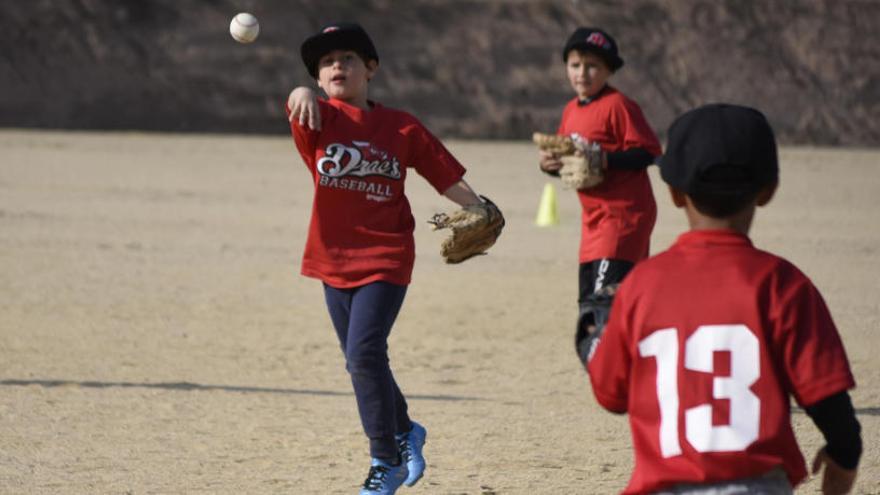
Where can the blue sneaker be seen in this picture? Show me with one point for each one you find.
(384, 479)
(410, 445)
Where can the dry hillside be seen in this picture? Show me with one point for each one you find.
(468, 68)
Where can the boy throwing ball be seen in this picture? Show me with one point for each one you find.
(360, 243)
(707, 341)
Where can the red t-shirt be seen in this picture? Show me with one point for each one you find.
(618, 214)
(705, 344)
(361, 229)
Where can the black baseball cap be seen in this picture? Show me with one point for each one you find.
(594, 40)
(336, 36)
(720, 149)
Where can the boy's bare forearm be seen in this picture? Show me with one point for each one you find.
(462, 194)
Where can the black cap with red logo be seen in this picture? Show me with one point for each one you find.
(336, 36)
(596, 41)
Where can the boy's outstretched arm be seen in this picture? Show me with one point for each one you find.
(302, 105)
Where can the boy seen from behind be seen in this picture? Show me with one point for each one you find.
(707, 340)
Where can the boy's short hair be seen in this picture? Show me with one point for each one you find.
(721, 156)
(337, 36)
(594, 40)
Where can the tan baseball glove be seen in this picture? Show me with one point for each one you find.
(582, 161)
(475, 229)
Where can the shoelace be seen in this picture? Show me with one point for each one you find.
(376, 477)
(405, 449)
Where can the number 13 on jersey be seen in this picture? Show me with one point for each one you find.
(699, 349)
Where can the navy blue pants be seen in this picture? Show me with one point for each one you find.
(362, 317)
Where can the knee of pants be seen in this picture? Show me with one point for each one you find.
(366, 363)
(586, 316)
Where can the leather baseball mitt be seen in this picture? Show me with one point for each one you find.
(475, 229)
(582, 161)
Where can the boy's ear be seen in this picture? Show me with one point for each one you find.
(679, 199)
(766, 194)
(372, 67)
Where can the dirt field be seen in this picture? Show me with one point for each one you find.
(156, 337)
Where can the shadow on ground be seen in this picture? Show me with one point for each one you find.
(188, 386)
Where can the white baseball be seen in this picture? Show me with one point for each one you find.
(244, 28)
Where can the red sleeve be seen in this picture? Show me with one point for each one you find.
(610, 366)
(629, 122)
(809, 345)
(432, 160)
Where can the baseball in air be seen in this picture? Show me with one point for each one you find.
(244, 28)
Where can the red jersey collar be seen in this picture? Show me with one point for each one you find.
(354, 112)
(707, 237)
(341, 104)
(607, 89)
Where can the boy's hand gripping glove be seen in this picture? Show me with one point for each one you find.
(582, 161)
(475, 229)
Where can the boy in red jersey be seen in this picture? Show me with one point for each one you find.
(360, 242)
(618, 214)
(707, 340)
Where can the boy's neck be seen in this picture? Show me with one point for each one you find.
(589, 98)
(740, 222)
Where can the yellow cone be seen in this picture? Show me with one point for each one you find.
(548, 213)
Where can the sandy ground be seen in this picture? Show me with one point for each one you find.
(155, 336)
